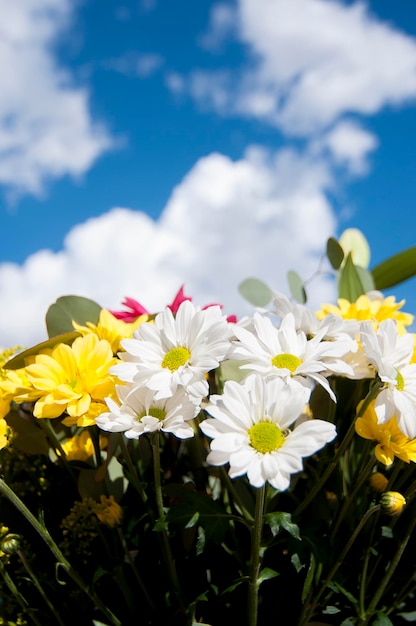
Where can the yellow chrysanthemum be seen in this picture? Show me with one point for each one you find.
(111, 329)
(373, 309)
(391, 442)
(81, 447)
(108, 511)
(12, 382)
(4, 432)
(72, 379)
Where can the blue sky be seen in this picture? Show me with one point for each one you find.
(209, 141)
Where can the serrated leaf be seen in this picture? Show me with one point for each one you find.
(67, 308)
(350, 286)
(334, 252)
(296, 286)
(18, 361)
(280, 519)
(395, 270)
(266, 574)
(255, 291)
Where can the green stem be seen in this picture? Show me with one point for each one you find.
(134, 477)
(135, 572)
(16, 593)
(339, 561)
(39, 587)
(161, 514)
(344, 444)
(391, 569)
(255, 560)
(363, 476)
(43, 532)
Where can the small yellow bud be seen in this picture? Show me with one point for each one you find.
(10, 543)
(392, 502)
(378, 482)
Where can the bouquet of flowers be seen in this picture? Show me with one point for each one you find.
(184, 467)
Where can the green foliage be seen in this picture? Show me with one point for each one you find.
(296, 286)
(255, 291)
(395, 270)
(19, 360)
(67, 308)
(334, 252)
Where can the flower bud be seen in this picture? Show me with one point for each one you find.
(10, 543)
(392, 502)
(378, 482)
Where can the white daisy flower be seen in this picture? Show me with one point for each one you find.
(288, 353)
(391, 353)
(250, 430)
(177, 350)
(140, 412)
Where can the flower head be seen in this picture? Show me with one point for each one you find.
(392, 502)
(176, 351)
(250, 428)
(72, 378)
(140, 412)
(81, 447)
(391, 442)
(288, 353)
(372, 307)
(391, 354)
(110, 328)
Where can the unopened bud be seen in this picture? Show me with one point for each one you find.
(10, 543)
(378, 482)
(392, 502)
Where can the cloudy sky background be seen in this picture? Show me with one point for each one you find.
(146, 144)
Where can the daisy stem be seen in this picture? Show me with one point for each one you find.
(390, 570)
(16, 593)
(39, 587)
(161, 514)
(53, 547)
(255, 560)
(134, 477)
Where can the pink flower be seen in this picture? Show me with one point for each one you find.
(137, 309)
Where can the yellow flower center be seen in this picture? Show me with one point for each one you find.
(400, 382)
(159, 414)
(266, 437)
(175, 358)
(287, 361)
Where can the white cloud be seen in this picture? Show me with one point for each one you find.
(46, 130)
(227, 220)
(309, 63)
(350, 146)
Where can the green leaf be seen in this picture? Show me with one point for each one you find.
(382, 620)
(67, 308)
(28, 436)
(350, 286)
(296, 562)
(340, 589)
(408, 617)
(296, 286)
(334, 252)
(18, 361)
(386, 531)
(309, 578)
(255, 291)
(331, 610)
(366, 279)
(280, 519)
(266, 574)
(395, 270)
